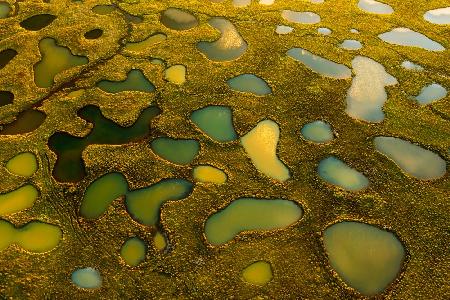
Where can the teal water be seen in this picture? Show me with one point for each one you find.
(135, 81)
(338, 173)
(177, 151)
(249, 83)
(317, 132)
(216, 122)
(87, 278)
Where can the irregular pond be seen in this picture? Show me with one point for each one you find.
(336, 172)
(431, 93)
(412, 159)
(23, 164)
(317, 132)
(258, 273)
(18, 200)
(133, 251)
(101, 193)
(375, 7)
(55, 59)
(407, 37)
(229, 46)
(177, 151)
(319, 64)
(135, 81)
(260, 144)
(145, 44)
(248, 214)
(210, 174)
(144, 204)
(34, 236)
(249, 83)
(69, 166)
(26, 121)
(216, 122)
(367, 95)
(366, 257)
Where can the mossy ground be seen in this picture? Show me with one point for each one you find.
(416, 211)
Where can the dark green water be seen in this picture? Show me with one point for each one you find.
(37, 22)
(69, 166)
(135, 81)
(26, 121)
(6, 98)
(93, 34)
(6, 56)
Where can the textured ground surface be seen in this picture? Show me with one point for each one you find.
(416, 211)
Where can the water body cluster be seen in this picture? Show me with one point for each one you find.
(134, 75)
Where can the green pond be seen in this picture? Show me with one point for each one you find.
(216, 122)
(366, 257)
(250, 214)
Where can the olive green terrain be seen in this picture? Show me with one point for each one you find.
(416, 211)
